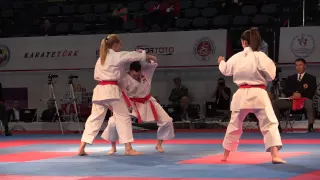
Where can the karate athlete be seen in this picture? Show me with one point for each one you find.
(251, 70)
(109, 69)
(137, 85)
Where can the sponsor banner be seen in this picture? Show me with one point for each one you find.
(299, 42)
(192, 48)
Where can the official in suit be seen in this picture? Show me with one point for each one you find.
(300, 85)
(14, 114)
(178, 92)
(3, 115)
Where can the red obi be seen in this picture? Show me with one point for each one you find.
(245, 86)
(298, 104)
(141, 100)
(108, 83)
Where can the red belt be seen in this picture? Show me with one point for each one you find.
(141, 100)
(246, 86)
(108, 83)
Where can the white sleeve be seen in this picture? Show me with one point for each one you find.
(148, 69)
(266, 66)
(131, 56)
(226, 68)
(123, 84)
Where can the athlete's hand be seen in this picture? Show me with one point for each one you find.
(139, 50)
(221, 58)
(151, 58)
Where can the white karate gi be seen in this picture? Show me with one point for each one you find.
(135, 89)
(251, 68)
(110, 95)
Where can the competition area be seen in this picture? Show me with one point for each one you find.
(192, 155)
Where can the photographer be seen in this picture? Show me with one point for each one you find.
(222, 95)
(300, 86)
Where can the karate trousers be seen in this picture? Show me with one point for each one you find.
(165, 126)
(120, 114)
(268, 124)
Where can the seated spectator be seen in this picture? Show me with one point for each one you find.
(300, 85)
(170, 10)
(121, 11)
(178, 92)
(14, 113)
(47, 29)
(154, 13)
(50, 114)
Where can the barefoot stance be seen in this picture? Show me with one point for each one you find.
(159, 149)
(112, 151)
(82, 153)
(278, 160)
(132, 152)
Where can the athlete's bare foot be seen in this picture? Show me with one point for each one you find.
(112, 151)
(81, 151)
(132, 152)
(278, 160)
(159, 148)
(225, 155)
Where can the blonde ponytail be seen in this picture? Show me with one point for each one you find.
(103, 51)
(106, 44)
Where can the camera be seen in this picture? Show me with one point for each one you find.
(72, 76)
(51, 76)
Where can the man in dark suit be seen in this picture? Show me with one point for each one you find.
(3, 115)
(178, 92)
(14, 114)
(300, 85)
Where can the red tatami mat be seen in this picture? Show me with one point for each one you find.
(17, 177)
(32, 156)
(6, 144)
(308, 176)
(241, 158)
(152, 141)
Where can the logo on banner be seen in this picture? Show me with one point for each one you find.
(303, 45)
(4, 55)
(204, 49)
(156, 50)
(51, 54)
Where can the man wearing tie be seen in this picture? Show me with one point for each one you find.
(300, 85)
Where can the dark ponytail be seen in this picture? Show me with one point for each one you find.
(253, 38)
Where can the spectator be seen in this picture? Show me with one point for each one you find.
(121, 11)
(50, 114)
(46, 29)
(170, 10)
(154, 13)
(178, 92)
(14, 113)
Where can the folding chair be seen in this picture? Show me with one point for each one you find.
(291, 116)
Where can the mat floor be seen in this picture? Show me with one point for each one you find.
(189, 156)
